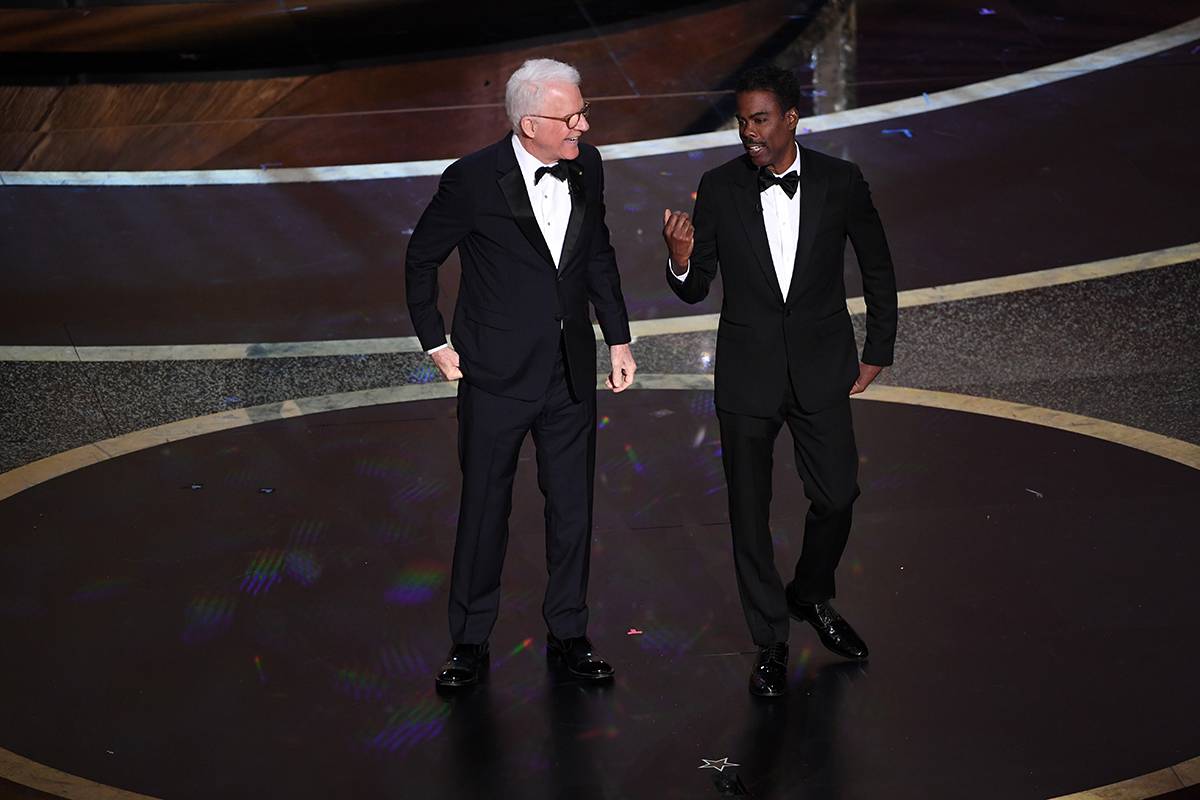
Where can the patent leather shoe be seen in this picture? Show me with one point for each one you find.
(579, 657)
(464, 664)
(769, 676)
(835, 633)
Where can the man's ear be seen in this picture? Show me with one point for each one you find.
(527, 126)
(791, 117)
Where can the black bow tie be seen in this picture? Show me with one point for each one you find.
(558, 170)
(789, 183)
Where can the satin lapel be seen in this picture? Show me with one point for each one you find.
(813, 184)
(512, 184)
(749, 206)
(578, 211)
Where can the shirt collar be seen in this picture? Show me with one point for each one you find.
(795, 167)
(526, 160)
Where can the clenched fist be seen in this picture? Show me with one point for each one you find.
(679, 235)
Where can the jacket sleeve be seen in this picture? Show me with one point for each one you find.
(702, 268)
(878, 276)
(604, 282)
(447, 219)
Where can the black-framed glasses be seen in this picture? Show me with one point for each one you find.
(571, 120)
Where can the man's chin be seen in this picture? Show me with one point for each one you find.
(760, 159)
(569, 151)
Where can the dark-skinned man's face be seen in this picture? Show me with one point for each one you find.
(768, 132)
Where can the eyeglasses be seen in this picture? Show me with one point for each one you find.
(571, 120)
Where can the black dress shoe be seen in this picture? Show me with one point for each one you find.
(576, 652)
(769, 677)
(463, 666)
(836, 634)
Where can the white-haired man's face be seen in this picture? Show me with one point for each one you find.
(547, 135)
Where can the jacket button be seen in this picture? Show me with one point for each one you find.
(558, 317)
(787, 312)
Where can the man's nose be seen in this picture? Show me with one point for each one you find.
(583, 126)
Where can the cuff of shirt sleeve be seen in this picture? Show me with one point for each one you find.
(680, 278)
(439, 347)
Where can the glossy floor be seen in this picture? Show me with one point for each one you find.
(261, 611)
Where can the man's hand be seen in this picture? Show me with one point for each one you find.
(866, 374)
(623, 368)
(446, 360)
(678, 233)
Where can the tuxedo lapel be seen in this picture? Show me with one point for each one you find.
(749, 207)
(578, 211)
(512, 184)
(813, 184)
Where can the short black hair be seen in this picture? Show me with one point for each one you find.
(776, 80)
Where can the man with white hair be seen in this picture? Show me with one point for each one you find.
(527, 217)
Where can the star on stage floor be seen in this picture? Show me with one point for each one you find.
(719, 764)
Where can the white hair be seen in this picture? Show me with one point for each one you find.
(523, 94)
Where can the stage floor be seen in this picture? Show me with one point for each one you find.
(260, 611)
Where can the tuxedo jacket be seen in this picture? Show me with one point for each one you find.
(514, 307)
(762, 341)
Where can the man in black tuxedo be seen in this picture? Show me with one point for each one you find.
(776, 220)
(527, 217)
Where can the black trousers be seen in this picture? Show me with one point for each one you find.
(491, 430)
(827, 460)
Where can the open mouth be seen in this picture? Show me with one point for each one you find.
(753, 148)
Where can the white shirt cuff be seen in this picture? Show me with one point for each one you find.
(680, 278)
(439, 347)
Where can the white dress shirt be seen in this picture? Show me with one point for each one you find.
(550, 198)
(551, 201)
(781, 218)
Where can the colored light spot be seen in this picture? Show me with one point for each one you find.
(607, 732)
(406, 478)
(302, 566)
(632, 457)
(407, 727)
(101, 589)
(670, 641)
(207, 616)
(264, 572)
(360, 684)
(425, 373)
(415, 585)
(802, 664)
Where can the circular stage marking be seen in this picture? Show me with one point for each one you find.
(16, 768)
